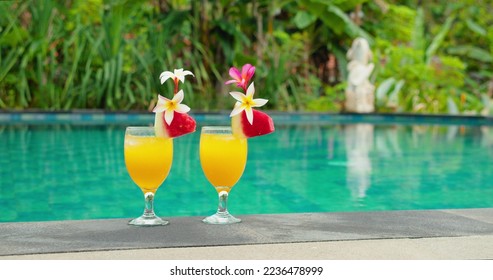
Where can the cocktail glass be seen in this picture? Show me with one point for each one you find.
(148, 160)
(223, 158)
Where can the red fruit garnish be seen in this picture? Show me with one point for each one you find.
(182, 124)
(262, 124)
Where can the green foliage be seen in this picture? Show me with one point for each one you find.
(330, 102)
(402, 20)
(430, 56)
(414, 74)
(427, 85)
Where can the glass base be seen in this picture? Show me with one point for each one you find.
(221, 219)
(148, 221)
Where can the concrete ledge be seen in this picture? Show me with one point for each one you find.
(437, 248)
(267, 236)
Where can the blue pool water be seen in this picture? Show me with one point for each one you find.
(66, 170)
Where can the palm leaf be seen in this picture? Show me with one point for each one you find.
(438, 39)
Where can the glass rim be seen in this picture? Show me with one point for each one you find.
(140, 131)
(139, 127)
(216, 129)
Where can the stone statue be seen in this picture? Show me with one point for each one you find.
(359, 91)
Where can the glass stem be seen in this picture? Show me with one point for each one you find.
(149, 204)
(222, 208)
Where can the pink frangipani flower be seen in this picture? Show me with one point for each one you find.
(241, 78)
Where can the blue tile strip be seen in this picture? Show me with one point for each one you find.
(223, 118)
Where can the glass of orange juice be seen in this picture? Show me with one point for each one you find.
(223, 158)
(148, 159)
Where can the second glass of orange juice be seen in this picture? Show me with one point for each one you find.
(223, 158)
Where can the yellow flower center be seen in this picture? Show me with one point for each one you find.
(172, 105)
(248, 102)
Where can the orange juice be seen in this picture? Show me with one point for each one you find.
(148, 160)
(223, 158)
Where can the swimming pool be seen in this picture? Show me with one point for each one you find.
(69, 167)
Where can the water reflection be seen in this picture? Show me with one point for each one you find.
(415, 161)
(359, 143)
(487, 136)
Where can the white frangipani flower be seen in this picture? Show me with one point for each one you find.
(177, 75)
(246, 102)
(170, 106)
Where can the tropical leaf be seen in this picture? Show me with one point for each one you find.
(418, 40)
(478, 29)
(438, 39)
(451, 106)
(303, 19)
(334, 18)
(232, 30)
(351, 28)
(472, 52)
(384, 89)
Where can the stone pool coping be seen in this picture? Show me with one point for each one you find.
(98, 117)
(441, 234)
